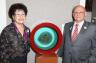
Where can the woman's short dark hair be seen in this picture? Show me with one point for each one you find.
(17, 6)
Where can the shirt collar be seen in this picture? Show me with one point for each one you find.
(80, 23)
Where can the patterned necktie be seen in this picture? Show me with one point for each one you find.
(75, 33)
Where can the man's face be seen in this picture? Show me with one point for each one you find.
(78, 14)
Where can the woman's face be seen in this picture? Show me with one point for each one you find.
(19, 16)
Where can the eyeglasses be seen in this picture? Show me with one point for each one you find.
(78, 12)
(19, 14)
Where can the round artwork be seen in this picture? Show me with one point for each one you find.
(45, 38)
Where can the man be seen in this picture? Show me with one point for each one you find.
(79, 39)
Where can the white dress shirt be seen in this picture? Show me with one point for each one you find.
(80, 24)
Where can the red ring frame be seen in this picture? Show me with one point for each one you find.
(40, 51)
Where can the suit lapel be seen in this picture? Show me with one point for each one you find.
(83, 29)
(70, 30)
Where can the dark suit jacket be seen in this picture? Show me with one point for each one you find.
(81, 51)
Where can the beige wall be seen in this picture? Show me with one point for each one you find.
(2, 14)
(57, 11)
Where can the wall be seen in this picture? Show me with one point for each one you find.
(57, 11)
(2, 14)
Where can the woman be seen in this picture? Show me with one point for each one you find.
(14, 39)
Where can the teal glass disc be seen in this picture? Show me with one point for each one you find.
(45, 38)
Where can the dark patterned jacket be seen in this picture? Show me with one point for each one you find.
(12, 44)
